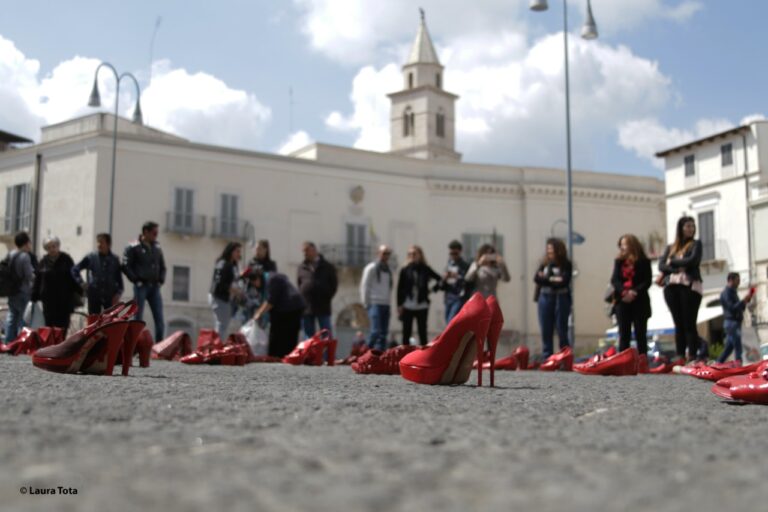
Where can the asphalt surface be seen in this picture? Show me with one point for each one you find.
(278, 438)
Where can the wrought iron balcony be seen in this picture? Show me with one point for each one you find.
(355, 256)
(186, 224)
(232, 229)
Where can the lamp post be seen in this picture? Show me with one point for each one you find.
(588, 31)
(95, 101)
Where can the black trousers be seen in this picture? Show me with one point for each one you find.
(98, 302)
(57, 315)
(283, 332)
(629, 314)
(684, 304)
(421, 322)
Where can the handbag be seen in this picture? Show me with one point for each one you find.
(680, 278)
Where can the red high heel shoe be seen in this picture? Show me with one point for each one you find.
(96, 362)
(144, 346)
(69, 355)
(522, 354)
(623, 363)
(448, 359)
(175, 346)
(311, 351)
(563, 361)
(494, 330)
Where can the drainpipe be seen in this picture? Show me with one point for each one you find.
(36, 183)
(749, 209)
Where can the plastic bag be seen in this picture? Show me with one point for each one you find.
(33, 315)
(256, 336)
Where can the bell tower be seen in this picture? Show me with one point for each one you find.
(422, 120)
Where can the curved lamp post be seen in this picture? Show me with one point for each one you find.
(588, 31)
(95, 101)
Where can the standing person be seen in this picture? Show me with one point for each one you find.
(105, 279)
(413, 294)
(454, 284)
(286, 308)
(54, 285)
(224, 289)
(554, 279)
(733, 316)
(317, 283)
(144, 266)
(263, 258)
(376, 296)
(681, 276)
(631, 280)
(487, 270)
(23, 274)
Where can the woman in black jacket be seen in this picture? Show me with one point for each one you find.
(224, 288)
(413, 294)
(682, 286)
(553, 279)
(631, 280)
(54, 285)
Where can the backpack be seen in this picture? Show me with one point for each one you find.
(10, 281)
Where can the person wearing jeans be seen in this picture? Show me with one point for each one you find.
(733, 316)
(454, 286)
(375, 294)
(413, 288)
(144, 265)
(317, 283)
(23, 270)
(224, 287)
(554, 302)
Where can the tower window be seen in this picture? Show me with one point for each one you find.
(409, 122)
(440, 124)
(410, 80)
(438, 81)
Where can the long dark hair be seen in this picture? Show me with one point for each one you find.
(265, 244)
(231, 247)
(680, 244)
(561, 253)
(483, 250)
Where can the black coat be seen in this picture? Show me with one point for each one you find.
(54, 284)
(317, 284)
(224, 274)
(418, 274)
(641, 282)
(144, 263)
(689, 263)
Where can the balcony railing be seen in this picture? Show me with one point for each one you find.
(232, 229)
(355, 256)
(185, 224)
(15, 223)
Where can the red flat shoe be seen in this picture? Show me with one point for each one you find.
(715, 373)
(759, 373)
(755, 392)
(376, 362)
(562, 361)
(666, 366)
(522, 355)
(454, 350)
(69, 355)
(623, 363)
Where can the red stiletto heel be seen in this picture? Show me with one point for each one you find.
(448, 360)
(144, 345)
(563, 361)
(132, 333)
(494, 331)
(69, 355)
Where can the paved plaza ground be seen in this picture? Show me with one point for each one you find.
(277, 438)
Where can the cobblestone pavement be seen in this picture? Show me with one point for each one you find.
(279, 438)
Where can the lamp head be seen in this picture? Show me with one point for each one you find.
(589, 30)
(95, 99)
(137, 117)
(538, 5)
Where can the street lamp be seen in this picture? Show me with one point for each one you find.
(588, 31)
(95, 101)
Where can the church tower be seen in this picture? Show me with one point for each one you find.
(422, 116)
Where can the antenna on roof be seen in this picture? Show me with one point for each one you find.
(423, 16)
(152, 47)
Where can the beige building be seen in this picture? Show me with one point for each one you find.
(346, 200)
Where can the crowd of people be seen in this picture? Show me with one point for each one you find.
(284, 308)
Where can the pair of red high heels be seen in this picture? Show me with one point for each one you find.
(450, 356)
(382, 362)
(94, 349)
(749, 388)
(30, 341)
(311, 351)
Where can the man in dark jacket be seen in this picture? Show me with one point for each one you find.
(105, 280)
(144, 266)
(733, 316)
(317, 283)
(453, 283)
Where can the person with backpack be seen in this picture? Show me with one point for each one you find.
(105, 279)
(18, 278)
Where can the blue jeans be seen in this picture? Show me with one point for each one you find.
(222, 315)
(452, 309)
(309, 321)
(379, 314)
(15, 320)
(554, 310)
(732, 340)
(150, 293)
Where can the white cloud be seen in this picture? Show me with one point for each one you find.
(18, 84)
(294, 142)
(751, 118)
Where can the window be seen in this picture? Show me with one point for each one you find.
(726, 154)
(410, 80)
(438, 81)
(707, 235)
(18, 211)
(440, 123)
(180, 284)
(228, 219)
(690, 167)
(409, 121)
(473, 241)
(357, 247)
(183, 208)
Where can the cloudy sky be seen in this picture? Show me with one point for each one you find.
(273, 75)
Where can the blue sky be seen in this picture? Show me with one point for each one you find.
(662, 71)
